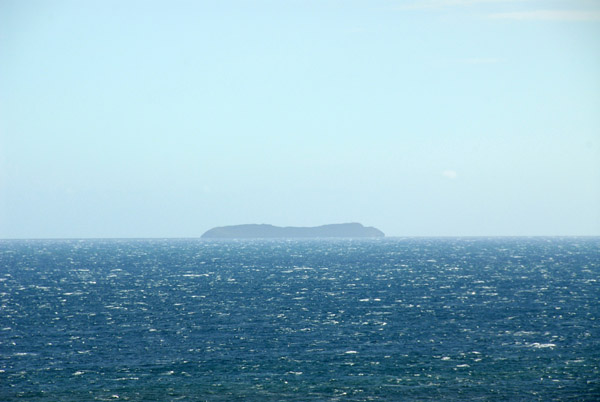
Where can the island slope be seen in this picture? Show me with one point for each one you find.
(254, 231)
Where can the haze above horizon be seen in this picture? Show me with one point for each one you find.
(421, 118)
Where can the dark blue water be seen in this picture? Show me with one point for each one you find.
(388, 319)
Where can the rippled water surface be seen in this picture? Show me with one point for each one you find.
(358, 320)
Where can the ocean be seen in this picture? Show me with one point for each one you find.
(390, 319)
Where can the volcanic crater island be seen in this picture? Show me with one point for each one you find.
(255, 231)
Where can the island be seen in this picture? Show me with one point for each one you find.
(254, 231)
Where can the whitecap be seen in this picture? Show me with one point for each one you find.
(538, 345)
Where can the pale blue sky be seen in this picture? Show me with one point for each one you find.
(422, 118)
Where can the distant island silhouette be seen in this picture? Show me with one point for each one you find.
(254, 231)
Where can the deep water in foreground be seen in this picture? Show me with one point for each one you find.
(347, 320)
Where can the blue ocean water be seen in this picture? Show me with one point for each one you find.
(348, 320)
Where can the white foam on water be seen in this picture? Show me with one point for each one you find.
(538, 345)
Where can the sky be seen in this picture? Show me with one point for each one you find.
(419, 117)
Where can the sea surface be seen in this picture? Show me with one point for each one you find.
(300, 320)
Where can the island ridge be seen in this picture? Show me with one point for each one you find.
(254, 231)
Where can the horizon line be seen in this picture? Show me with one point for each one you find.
(293, 238)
